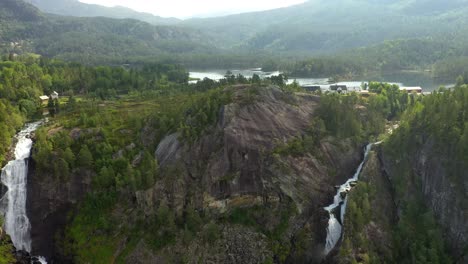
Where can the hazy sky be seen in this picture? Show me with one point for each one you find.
(196, 8)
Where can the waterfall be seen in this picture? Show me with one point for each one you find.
(337, 209)
(13, 203)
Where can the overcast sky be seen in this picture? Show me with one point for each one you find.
(196, 8)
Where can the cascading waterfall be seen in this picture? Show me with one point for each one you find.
(337, 209)
(13, 203)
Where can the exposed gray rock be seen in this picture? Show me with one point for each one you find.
(119, 154)
(137, 159)
(130, 147)
(167, 150)
(233, 165)
(445, 198)
(49, 201)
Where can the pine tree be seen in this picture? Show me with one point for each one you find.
(69, 157)
(85, 158)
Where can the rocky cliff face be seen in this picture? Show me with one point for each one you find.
(382, 175)
(234, 166)
(443, 196)
(447, 200)
(48, 203)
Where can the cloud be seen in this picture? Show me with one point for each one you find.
(191, 8)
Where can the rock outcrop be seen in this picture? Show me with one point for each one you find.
(48, 204)
(425, 175)
(234, 166)
(447, 200)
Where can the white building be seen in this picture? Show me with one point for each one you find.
(54, 95)
(415, 89)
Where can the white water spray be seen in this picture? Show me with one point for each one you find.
(13, 203)
(335, 228)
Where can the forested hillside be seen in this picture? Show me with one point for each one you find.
(340, 37)
(411, 205)
(328, 26)
(24, 80)
(90, 40)
(444, 58)
(429, 154)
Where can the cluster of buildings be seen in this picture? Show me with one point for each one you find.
(346, 88)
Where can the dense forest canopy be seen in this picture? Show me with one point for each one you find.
(24, 80)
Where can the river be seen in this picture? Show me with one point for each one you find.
(401, 78)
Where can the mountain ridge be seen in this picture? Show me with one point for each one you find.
(79, 9)
(92, 39)
(313, 27)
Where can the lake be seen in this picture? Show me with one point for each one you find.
(422, 79)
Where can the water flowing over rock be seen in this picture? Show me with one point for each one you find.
(13, 203)
(338, 207)
(14, 177)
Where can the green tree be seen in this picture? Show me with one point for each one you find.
(193, 220)
(106, 177)
(149, 170)
(51, 107)
(69, 157)
(460, 80)
(6, 247)
(256, 79)
(71, 104)
(61, 169)
(211, 233)
(85, 158)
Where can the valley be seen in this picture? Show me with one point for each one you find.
(324, 132)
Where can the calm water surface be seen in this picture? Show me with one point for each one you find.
(401, 78)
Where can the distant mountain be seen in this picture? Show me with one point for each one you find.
(312, 28)
(429, 7)
(348, 28)
(95, 39)
(324, 26)
(79, 9)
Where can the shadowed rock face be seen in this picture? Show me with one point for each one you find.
(234, 166)
(449, 205)
(446, 199)
(48, 203)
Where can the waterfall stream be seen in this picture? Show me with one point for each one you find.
(13, 203)
(337, 209)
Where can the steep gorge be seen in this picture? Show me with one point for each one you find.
(244, 191)
(411, 203)
(266, 206)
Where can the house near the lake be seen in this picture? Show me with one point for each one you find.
(415, 89)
